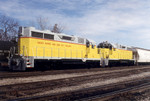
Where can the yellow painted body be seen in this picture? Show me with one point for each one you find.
(93, 52)
(116, 53)
(37, 47)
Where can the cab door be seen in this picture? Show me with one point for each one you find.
(87, 48)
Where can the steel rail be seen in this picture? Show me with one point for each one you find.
(100, 96)
(111, 94)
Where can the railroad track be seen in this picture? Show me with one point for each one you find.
(6, 74)
(25, 89)
(31, 88)
(98, 92)
(110, 95)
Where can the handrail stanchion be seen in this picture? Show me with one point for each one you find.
(36, 52)
(43, 52)
(51, 52)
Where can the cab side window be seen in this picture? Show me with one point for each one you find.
(93, 46)
(87, 43)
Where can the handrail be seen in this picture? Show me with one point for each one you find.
(65, 52)
(33, 51)
(51, 52)
(71, 53)
(23, 51)
(36, 51)
(58, 52)
(26, 51)
(55, 52)
(43, 52)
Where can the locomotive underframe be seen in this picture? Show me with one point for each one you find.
(117, 62)
(22, 63)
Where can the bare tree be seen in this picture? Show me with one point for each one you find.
(43, 24)
(8, 27)
(57, 28)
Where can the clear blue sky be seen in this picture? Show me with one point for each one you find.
(125, 22)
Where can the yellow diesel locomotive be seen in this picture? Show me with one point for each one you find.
(45, 48)
(115, 54)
